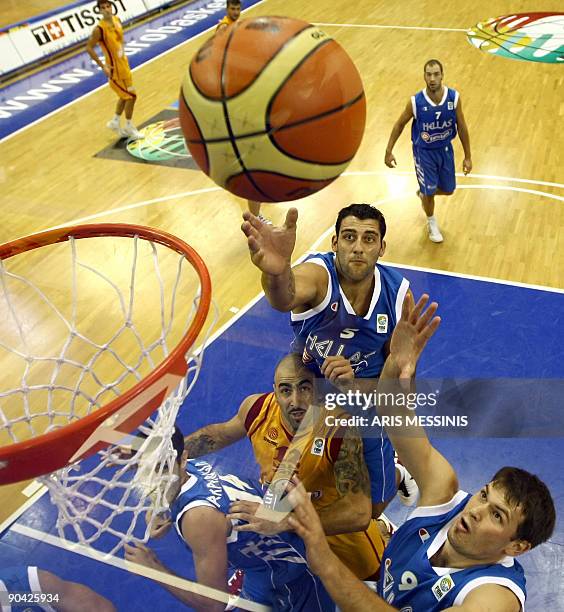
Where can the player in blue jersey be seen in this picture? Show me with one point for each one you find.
(436, 115)
(456, 550)
(344, 306)
(35, 590)
(275, 569)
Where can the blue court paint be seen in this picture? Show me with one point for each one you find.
(37, 95)
(488, 330)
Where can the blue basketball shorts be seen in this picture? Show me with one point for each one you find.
(435, 169)
(379, 459)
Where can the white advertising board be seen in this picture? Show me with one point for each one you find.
(50, 34)
(10, 58)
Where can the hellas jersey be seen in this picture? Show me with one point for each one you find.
(333, 327)
(433, 125)
(410, 583)
(284, 554)
(22, 579)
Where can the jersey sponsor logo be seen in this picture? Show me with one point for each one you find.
(316, 494)
(334, 306)
(442, 586)
(424, 534)
(269, 441)
(450, 105)
(272, 433)
(317, 446)
(532, 37)
(434, 137)
(382, 323)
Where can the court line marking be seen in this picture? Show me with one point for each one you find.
(389, 27)
(136, 568)
(149, 61)
(459, 174)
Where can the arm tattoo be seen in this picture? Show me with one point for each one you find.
(351, 475)
(292, 286)
(199, 444)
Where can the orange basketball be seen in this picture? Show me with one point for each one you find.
(272, 109)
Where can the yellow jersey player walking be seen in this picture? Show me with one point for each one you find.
(108, 34)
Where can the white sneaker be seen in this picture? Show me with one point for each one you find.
(130, 132)
(434, 231)
(408, 490)
(113, 125)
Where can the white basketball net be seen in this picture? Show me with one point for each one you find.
(71, 340)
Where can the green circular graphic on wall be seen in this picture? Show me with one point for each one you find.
(162, 141)
(533, 37)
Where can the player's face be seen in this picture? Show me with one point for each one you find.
(433, 77)
(358, 247)
(106, 9)
(234, 11)
(293, 388)
(485, 530)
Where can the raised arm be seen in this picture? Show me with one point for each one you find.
(91, 48)
(216, 436)
(271, 248)
(464, 138)
(406, 115)
(346, 590)
(434, 475)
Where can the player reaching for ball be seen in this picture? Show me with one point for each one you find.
(344, 306)
(436, 112)
(109, 35)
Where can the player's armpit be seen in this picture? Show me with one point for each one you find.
(310, 283)
(489, 598)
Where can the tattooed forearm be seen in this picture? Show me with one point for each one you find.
(199, 443)
(351, 475)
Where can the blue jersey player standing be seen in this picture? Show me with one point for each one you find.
(457, 551)
(436, 114)
(344, 306)
(275, 569)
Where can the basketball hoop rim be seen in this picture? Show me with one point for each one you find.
(174, 363)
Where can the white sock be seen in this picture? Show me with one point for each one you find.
(431, 218)
(116, 118)
(128, 123)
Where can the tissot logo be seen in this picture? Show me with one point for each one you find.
(41, 36)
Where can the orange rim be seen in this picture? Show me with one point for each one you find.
(54, 450)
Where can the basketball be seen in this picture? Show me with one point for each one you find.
(272, 109)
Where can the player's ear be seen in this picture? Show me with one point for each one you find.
(184, 459)
(383, 248)
(517, 547)
(334, 243)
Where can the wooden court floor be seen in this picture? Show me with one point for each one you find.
(495, 225)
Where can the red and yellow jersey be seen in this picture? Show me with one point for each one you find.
(226, 20)
(111, 42)
(312, 457)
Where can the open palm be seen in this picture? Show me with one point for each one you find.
(270, 246)
(413, 331)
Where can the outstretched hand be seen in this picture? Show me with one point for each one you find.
(270, 246)
(413, 331)
(305, 521)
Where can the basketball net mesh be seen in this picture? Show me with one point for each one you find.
(77, 363)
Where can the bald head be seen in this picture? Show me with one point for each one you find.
(291, 365)
(293, 387)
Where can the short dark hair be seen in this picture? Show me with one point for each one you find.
(178, 443)
(100, 2)
(361, 211)
(431, 62)
(233, 3)
(528, 492)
